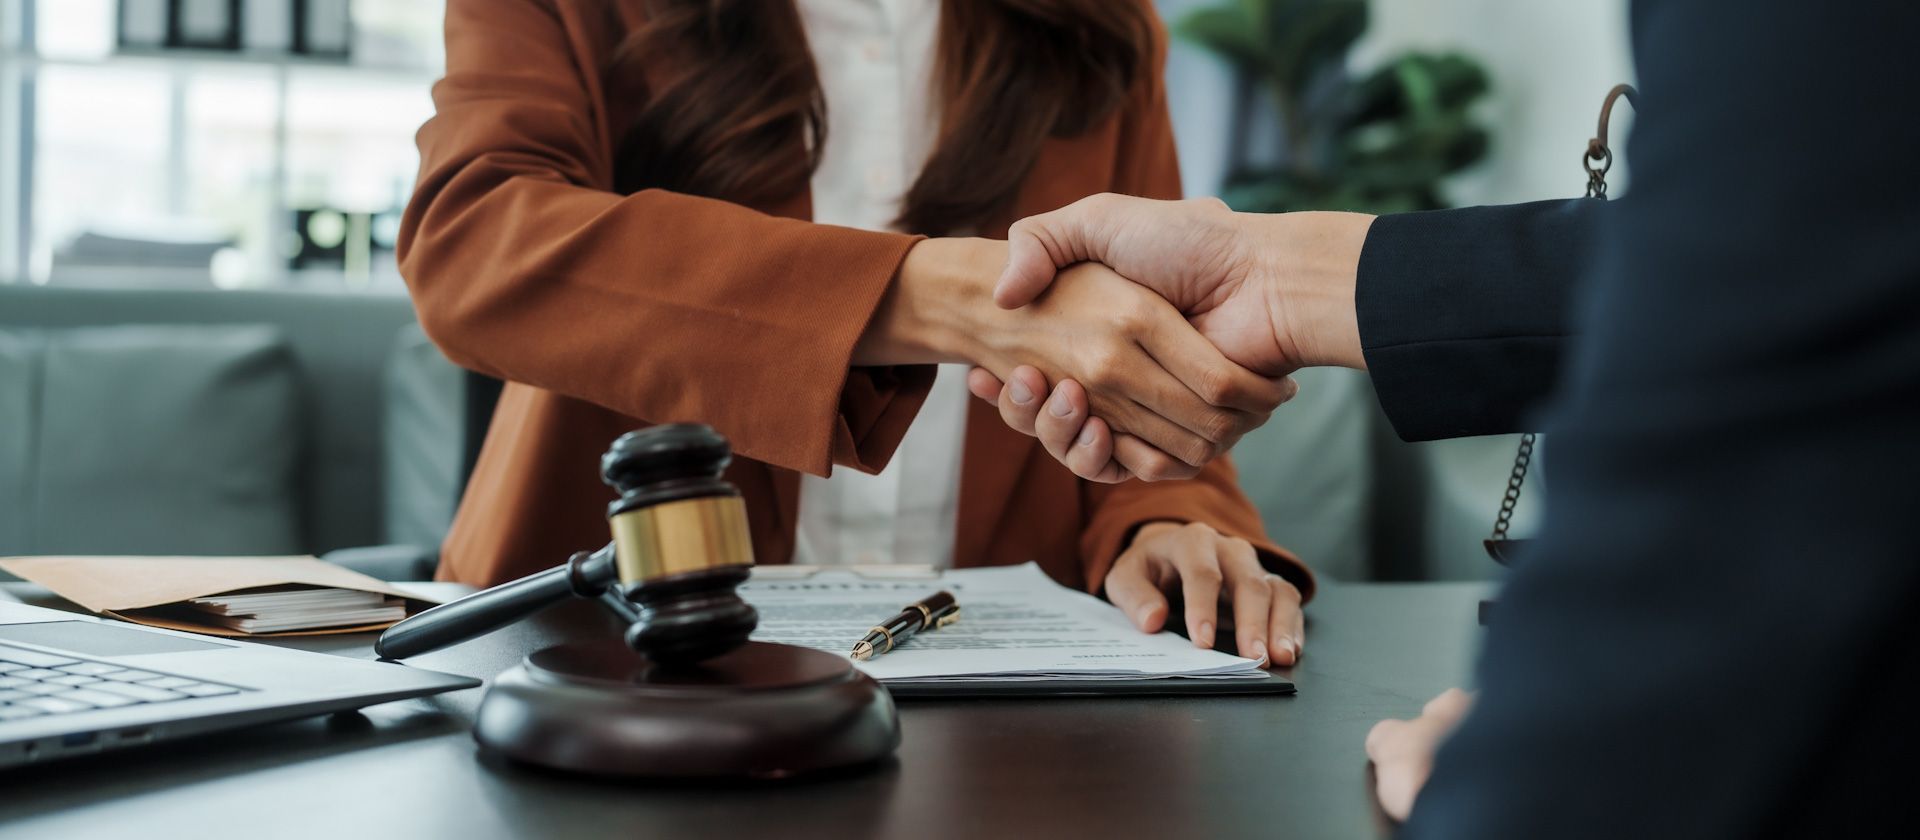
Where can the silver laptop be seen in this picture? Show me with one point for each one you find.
(72, 684)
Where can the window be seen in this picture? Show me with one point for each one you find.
(113, 162)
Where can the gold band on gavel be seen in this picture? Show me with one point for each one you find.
(679, 537)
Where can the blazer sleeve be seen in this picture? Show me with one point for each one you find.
(525, 265)
(1464, 313)
(1146, 166)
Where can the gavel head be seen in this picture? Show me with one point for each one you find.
(680, 542)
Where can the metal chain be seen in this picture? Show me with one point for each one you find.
(1598, 151)
(1521, 460)
(1597, 178)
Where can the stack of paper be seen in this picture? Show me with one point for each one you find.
(1015, 624)
(298, 608)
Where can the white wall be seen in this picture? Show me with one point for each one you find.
(1552, 62)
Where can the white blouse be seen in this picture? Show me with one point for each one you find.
(875, 61)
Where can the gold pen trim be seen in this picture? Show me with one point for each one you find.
(863, 651)
(884, 632)
(926, 616)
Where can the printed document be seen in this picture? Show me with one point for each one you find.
(1015, 624)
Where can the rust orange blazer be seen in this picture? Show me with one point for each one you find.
(607, 312)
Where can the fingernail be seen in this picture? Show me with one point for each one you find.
(1059, 405)
(1205, 637)
(1140, 616)
(1256, 651)
(1086, 435)
(1292, 650)
(1020, 394)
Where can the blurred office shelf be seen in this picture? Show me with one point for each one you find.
(284, 131)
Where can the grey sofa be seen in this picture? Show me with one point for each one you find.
(225, 422)
(252, 422)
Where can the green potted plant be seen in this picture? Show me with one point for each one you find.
(1378, 141)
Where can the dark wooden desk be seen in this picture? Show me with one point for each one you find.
(1114, 767)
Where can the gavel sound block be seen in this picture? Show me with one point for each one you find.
(685, 694)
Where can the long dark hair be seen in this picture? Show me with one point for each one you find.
(730, 105)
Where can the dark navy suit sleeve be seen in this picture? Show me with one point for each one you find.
(1463, 313)
(1717, 633)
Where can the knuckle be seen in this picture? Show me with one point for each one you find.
(1196, 452)
(1105, 365)
(1219, 427)
(1168, 469)
(1207, 574)
(1217, 387)
(1282, 588)
(1155, 468)
(1136, 312)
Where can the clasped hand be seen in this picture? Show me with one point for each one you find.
(1272, 294)
(1173, 401)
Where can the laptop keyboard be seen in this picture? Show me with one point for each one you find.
(33, 684)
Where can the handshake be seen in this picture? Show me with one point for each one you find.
(1135, 338)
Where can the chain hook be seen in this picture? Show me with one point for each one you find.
(1598, 148)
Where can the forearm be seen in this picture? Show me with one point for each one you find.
(936, 306)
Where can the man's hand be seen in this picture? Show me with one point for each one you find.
(1402, 750)
(1273, 292)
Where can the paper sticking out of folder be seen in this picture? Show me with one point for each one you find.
(285, 608)
(224, 596)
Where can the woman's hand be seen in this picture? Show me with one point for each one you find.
(1175, 399)
(1208, 569)
(1402, 750)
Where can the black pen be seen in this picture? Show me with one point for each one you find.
(930, 613)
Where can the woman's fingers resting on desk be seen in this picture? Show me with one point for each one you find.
(1208, 569)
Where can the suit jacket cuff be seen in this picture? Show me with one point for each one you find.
(1463, 313)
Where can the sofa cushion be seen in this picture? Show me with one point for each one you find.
(19, 388)
(156, 440)
(424, 437)
(1309, 470)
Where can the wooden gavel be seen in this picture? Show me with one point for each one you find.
(680, 550)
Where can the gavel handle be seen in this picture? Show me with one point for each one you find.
(582, 576)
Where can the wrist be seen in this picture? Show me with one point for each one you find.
(934, 310)
(1308, 266)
